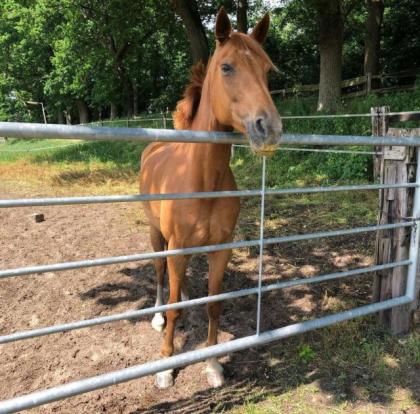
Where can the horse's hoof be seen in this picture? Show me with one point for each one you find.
(165, 379)
(214, 372)
(158, 322)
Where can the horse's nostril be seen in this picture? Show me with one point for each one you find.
(260, 126)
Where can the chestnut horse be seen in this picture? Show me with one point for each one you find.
(231, 94)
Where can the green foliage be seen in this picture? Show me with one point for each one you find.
(306, 353)
(68, 52)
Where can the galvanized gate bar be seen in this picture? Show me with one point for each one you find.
(414, 239)
(54, 131)
(34, 333)
(22, 271)
(56, 201)
(261, 245)
(112, 378)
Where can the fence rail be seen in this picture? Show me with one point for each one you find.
(138, 371)
(30, 131)
(364, 81)
(55, 131)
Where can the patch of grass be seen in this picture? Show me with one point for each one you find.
(354, 367)
(18, 149)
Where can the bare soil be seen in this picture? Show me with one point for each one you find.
(91, 231)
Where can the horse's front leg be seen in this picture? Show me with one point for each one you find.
(176, 269)
(217, 265)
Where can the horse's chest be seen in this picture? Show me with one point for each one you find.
(202, 223)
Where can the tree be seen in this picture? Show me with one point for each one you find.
(188, 11)
(331, 29)
(401, 35)
(375, 10)
(241, 15)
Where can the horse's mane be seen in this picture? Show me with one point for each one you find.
(187, 107)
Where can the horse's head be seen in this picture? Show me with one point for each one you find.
(238, 86)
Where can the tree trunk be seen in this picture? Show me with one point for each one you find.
(135, 98)
(331, 28)
(60, 117)
(83, 111)
(67, 114)
(129, 98)
(241, 16)
(114, 111)
(188, 11)
(373, 36)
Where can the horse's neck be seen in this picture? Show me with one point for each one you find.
(212, 159)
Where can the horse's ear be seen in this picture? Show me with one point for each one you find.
(223, 27)
(259, 33)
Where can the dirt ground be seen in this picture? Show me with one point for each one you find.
(91, 231)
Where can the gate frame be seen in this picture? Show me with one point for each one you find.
(31, 131)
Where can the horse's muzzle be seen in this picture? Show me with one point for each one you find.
(264, 135)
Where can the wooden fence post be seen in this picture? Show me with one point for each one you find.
(379, 129)
(397, 165)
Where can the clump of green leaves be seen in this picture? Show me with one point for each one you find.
(306, 353)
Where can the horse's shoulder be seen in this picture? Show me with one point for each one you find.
(151, 149)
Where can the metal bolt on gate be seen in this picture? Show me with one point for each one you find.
(31, 131)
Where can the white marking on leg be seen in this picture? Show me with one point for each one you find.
(158, 321)
(214, 373)
(165, 379)
(184, 294)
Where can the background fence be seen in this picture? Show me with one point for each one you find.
(362, 85)
(405, 261)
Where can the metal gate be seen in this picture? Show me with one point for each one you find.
(31, 131)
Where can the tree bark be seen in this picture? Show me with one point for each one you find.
(188, 11)
(83, 111)
(135, 98)
(373, 36)
(60, 117)
(67, 114)
(114, 111)
(241, 15)
(331, 27)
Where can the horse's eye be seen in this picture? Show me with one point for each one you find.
(227, 69)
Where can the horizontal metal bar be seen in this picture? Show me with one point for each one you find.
(46, 131)
(96, 133)
(350, 140)
(168, 117)
(34, 333)
(31, 202)
(60, 392)
(333, 151)
(367, 115)
(57, 267)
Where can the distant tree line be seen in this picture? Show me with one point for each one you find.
(90, 59)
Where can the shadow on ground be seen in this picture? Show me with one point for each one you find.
(349, 362)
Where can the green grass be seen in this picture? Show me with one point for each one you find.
(17, 149)
(353, 367)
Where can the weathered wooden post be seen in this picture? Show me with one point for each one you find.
(396, 165)
(379, 129)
